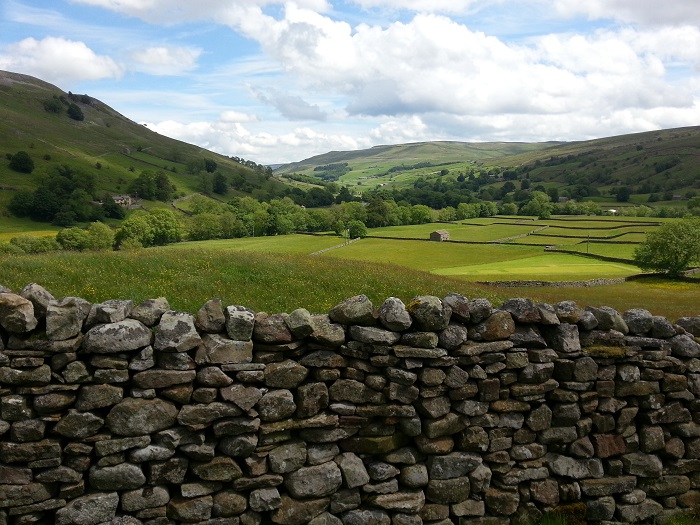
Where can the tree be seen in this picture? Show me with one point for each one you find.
(144, 186)
(421, 214)
(670, 249)
(344, 195)
(539, 205)
(73, 239)
(22, 162)
(205, 226)
(357, 229)
(31, 244)
(623, 194)
(135, 231)
(22, 203)
(166, 227)
(164, 188)
(553, 194)
(100, 237)
(75, 112)
(220, 184)
(111, 209)
(509, 208)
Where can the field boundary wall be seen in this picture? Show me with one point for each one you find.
(437, 411)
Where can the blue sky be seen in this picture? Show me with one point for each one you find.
(275, 81)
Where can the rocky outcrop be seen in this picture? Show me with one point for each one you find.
(438, 411)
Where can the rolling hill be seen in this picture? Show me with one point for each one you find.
(663, 162)
(34, 117)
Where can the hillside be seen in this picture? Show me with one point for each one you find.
(657, 162)
(34, 118)
(451, 152)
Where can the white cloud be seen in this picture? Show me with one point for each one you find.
(58, 60)
(234, 139)
(236, 116)
(411, 129)
(434, 64)
(165, 60)
(432, 76)
(651, 12)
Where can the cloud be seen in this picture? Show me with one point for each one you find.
(428, 74)
(234, 139)
(433, 64)
(179, 11)
(58, 60)
(649, 12)
(237, 116)
(291, 107)
(411, 129)
(164, 60)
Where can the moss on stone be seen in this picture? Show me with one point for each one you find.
(603, 351)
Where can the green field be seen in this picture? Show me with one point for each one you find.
(292, 244)
(278, 273)
(188, 278)
(464, 231)
(545, 267)
(12, 227)
(619, 251)
(428, 256)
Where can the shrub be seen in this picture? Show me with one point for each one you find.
(130, 244)
(73, 239)
(53, 105)
(30, 244)
(22, 162)
(75, 112)
(100, 237)
(10, 249)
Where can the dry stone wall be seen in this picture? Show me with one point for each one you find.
(441, 411)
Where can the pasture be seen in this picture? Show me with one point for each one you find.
(270, 282)
(279, 273)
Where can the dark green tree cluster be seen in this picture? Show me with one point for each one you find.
(21, 162)
(152, 186)
(53, 105)
(56, 104)
(63, 197)
(75, 112)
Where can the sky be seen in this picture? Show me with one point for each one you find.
(275, 81)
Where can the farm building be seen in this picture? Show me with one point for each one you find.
(125, 201)
(440, 235)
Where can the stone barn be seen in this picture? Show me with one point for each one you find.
(440, 235)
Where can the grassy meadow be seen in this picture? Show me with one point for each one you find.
(280, 273)
(263, 281)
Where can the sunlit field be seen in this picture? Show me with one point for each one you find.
(546, 267)
(279, 273)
